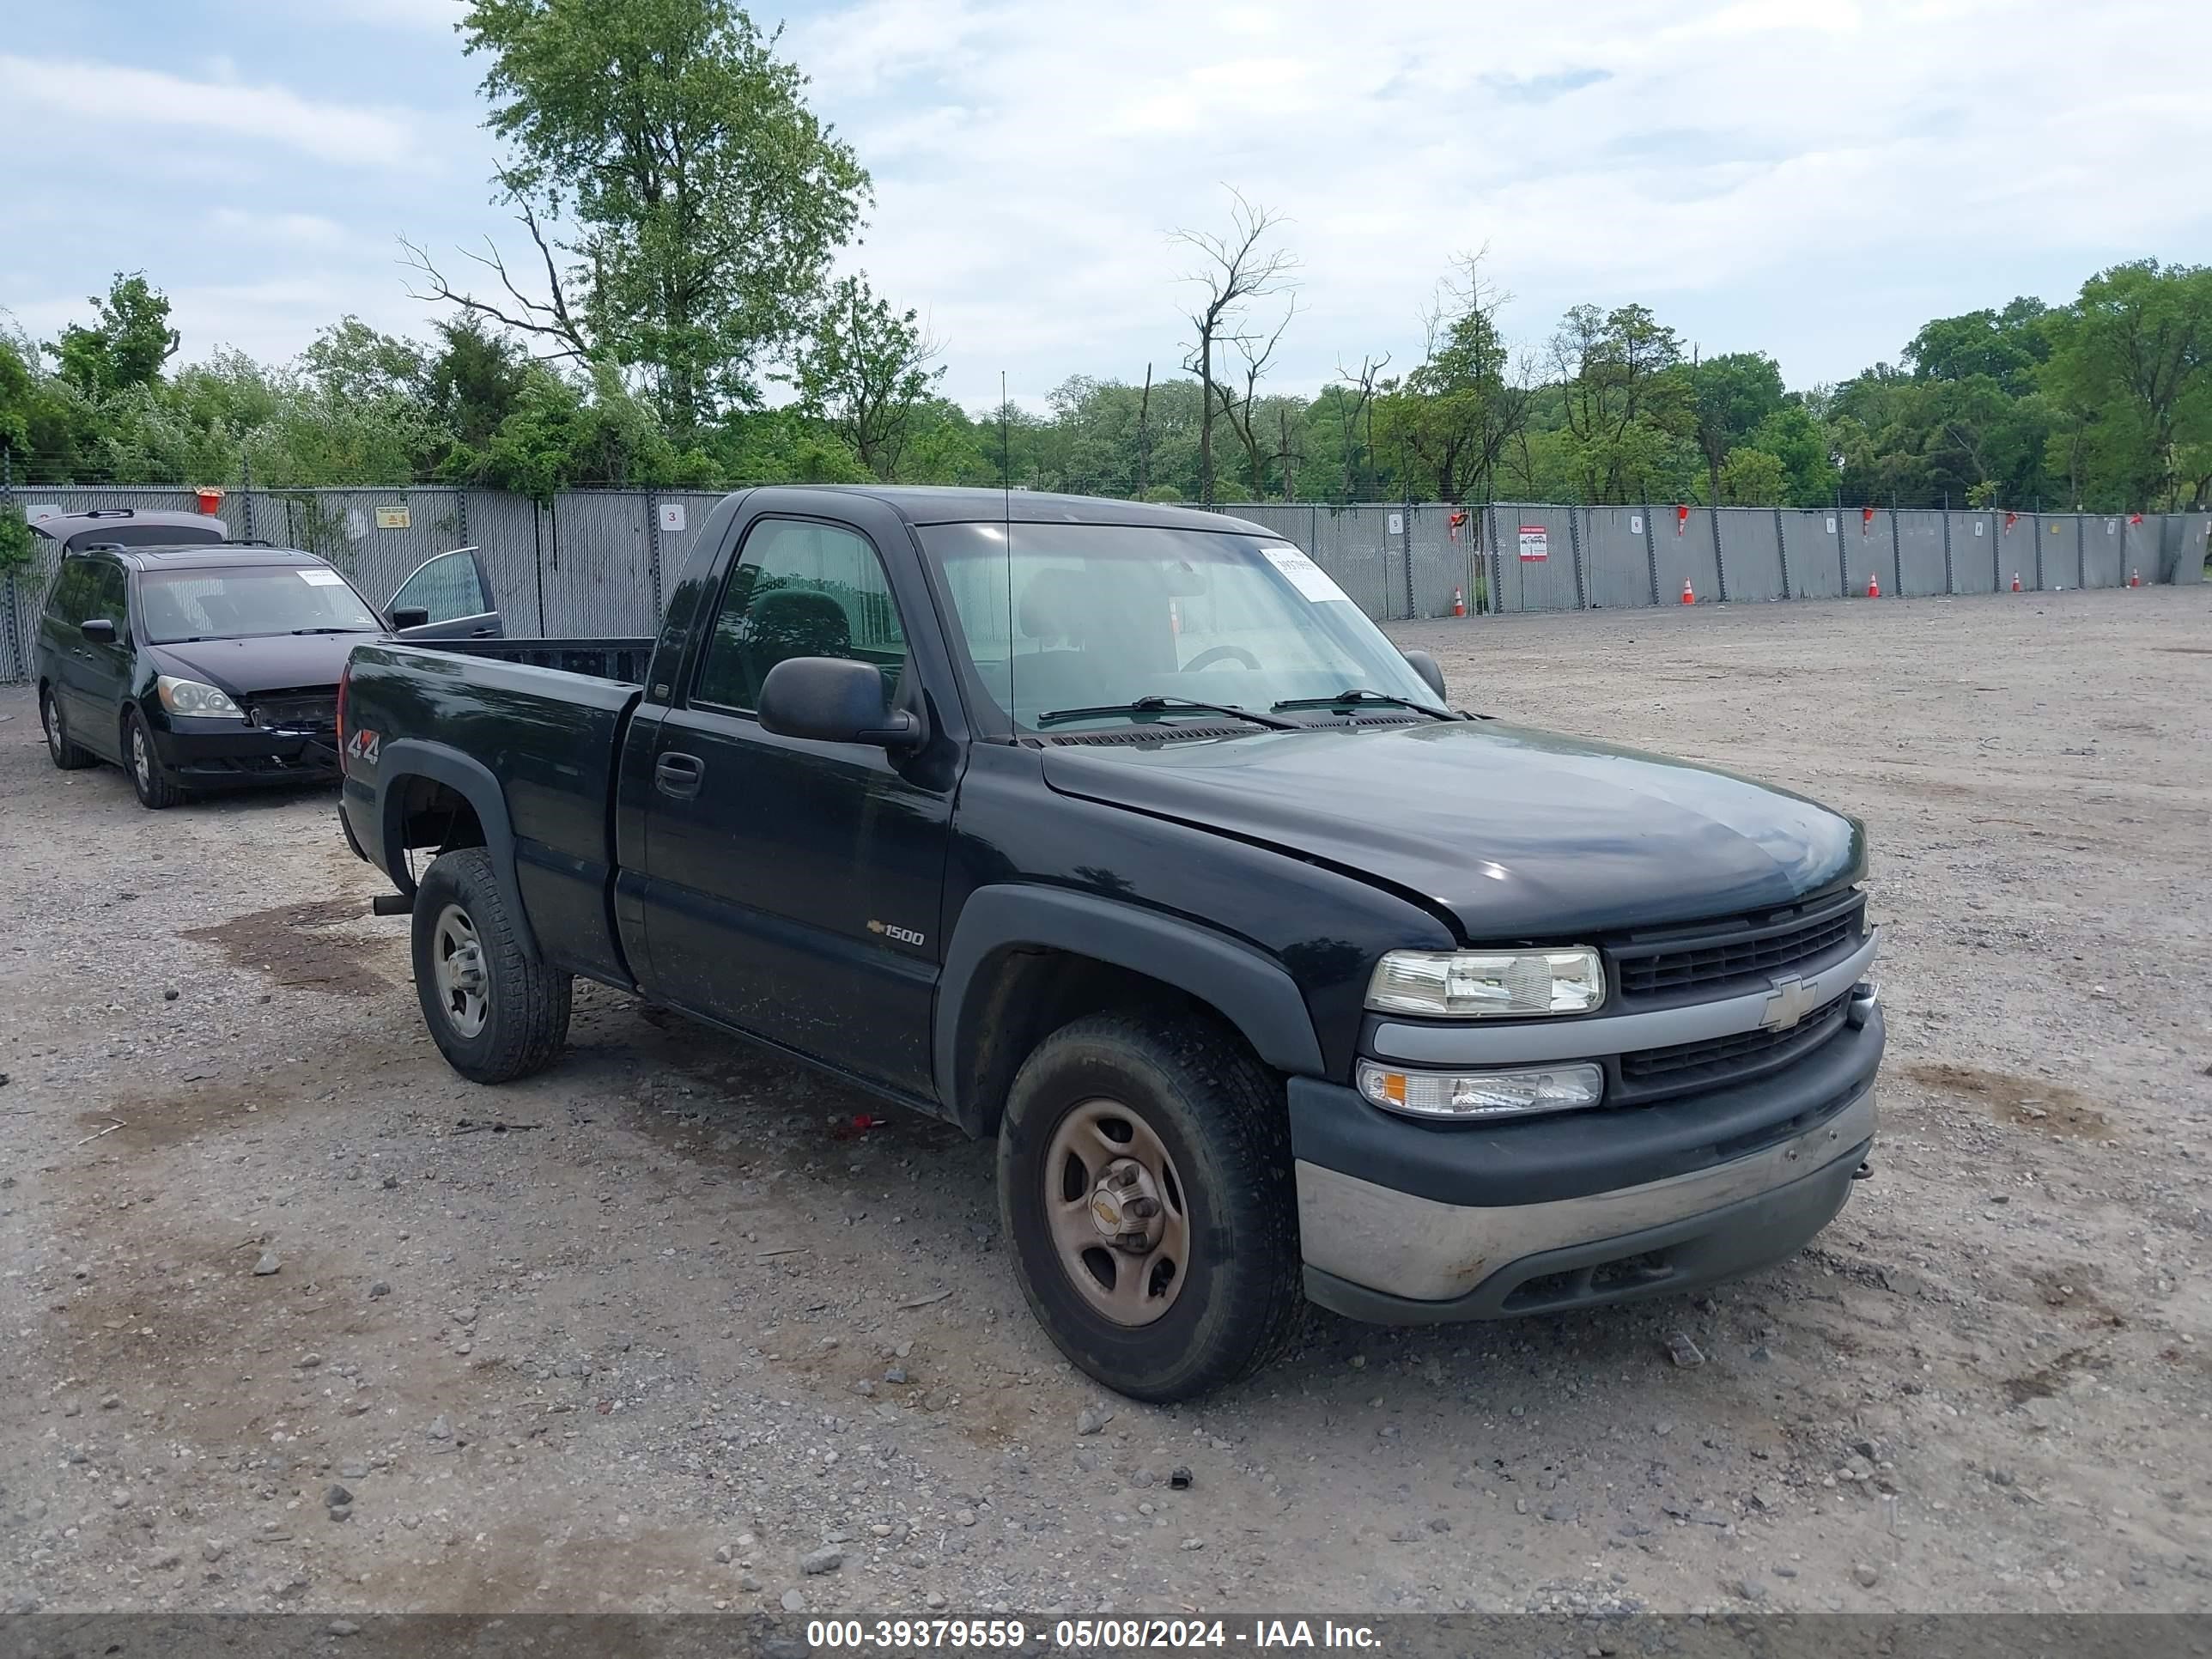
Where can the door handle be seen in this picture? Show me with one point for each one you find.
(678, 775)
(480, 633)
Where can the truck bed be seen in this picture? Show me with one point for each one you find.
(534, 728)
(616, 659)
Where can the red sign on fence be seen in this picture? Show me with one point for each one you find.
(1535, 542)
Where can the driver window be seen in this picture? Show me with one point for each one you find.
(800, 590)
(448, 587)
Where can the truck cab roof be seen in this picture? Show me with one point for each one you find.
(969, 504)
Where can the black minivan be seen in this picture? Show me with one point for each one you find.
(195, 662)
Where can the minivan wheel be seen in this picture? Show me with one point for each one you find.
(67, 754)
(1145, 1180)
(496, 1011)
(153, 788)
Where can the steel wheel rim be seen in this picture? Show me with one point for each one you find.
(142, 757)
(51, 718)
(457, 964)
(1117, 1212)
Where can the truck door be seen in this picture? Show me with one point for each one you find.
(792, 886)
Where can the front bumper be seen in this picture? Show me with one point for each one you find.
(1405, 1223)
(214, 754)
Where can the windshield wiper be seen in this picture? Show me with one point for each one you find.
(1157, 705)
(335, 630)
(1360, 694)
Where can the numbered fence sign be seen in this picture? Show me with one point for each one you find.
(1535, 542)
(672, 517)
(1397, 524)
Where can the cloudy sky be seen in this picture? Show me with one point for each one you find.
(1812, 180)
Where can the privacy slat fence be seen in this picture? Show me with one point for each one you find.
(597, 564)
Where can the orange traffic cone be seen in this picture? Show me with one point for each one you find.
(1874, 585)
(1688, 598)
(2135, 579)
(2015, 581)
(1459, 603)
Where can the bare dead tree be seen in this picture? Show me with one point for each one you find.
(1350, 411)
(1233, 269)
(1145, 437)
(1242, 411)
(550, 318)
(1290, 450)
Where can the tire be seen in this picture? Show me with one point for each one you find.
(143, 762)
(64, 750)
(1234, 1302)
(515, 1021)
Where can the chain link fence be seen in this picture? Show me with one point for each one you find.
(599, 563)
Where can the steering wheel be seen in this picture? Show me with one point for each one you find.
(1236, 654)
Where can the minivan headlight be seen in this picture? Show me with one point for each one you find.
(1464, 983)
(194, 698)
(1524, 1091)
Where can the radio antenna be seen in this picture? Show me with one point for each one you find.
(1006, 521)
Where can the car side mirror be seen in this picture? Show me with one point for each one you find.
(1425, 666)
(833, 700)
(97, 629)
(409, 615)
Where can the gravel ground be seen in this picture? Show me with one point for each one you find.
(294, 1318)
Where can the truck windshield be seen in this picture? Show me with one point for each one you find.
(1097, 618)
(245, 602)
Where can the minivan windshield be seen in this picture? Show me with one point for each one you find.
(1100, 617)
(237, 602)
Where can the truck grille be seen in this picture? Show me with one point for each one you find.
(1746, 948)
(1652, 1075)
(313, 712)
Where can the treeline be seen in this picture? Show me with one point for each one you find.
(657, 347)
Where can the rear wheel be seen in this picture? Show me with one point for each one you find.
(65, 752)
(496, 1011)
(140, 759)
(1144, 1179)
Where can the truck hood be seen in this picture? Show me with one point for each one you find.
(276, 662)
(1513, 833)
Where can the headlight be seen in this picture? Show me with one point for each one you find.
(1477, 982)
(192, 698)
(1521, 1093)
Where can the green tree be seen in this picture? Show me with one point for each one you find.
(2130, 373)
(1800, 448)
(1627, 403)
(473, 380)
(2007, 346)
(704, 198)
(866, 373)
(1752, 477)
(126, 346)
(1733, 393)
(1452, 416)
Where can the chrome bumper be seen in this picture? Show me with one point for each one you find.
(1403, 1247)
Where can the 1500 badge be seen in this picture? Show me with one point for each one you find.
(903, 935)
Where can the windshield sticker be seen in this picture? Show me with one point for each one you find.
(322, 579)
(1308, 578)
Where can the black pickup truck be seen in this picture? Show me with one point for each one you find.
(1120, 833)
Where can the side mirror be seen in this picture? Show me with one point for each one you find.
(409, 615)
(833, 700)
(99, 629)
(1425, 666)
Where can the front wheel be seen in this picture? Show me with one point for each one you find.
(155, 791)
(1145, 1180)
(65, 752)
(496, 1011)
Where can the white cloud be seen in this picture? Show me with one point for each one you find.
(128, 99)
(1029, 159)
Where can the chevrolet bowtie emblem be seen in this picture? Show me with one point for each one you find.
(1790, 1000)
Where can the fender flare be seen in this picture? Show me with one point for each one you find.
(1252, 991)
(406, 759)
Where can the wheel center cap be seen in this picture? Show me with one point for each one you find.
(1125, 1207)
